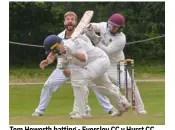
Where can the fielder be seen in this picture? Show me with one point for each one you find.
(112, 41)
(60, 75)
(93, 63)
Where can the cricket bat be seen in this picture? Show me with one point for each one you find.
(82, 24)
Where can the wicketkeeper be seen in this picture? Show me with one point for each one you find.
(112, 41)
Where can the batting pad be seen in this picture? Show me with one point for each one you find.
(114, 95)
(81, 93)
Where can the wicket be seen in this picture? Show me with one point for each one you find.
(125, 63)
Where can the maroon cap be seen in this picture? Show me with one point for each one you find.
(117, 20)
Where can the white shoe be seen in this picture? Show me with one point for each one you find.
(72, 113)
(141, 111)
(115, 112)
(76, 116)
(36, 114)
(88, 114)
(127, 106)
(88, 111)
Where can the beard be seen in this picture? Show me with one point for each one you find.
(70, 27)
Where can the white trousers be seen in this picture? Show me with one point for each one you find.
(95, 73)
(55, 80)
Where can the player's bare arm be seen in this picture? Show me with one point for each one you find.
(50, 59)
(80, 56)
(67, 72)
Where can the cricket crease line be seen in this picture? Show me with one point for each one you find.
(30, 83)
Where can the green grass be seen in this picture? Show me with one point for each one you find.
(29, 74)
(24, 100)
(24, 74)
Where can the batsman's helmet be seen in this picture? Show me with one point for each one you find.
(51, 42)
(117, 20)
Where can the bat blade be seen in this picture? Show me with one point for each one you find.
(82, 24)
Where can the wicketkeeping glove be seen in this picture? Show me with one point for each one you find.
(90, 33)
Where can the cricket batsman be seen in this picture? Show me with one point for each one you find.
(112, 41)
(93, 63)
(60, 75)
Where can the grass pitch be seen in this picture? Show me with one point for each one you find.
(24, 100)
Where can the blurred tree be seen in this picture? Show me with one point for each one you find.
(30, 22)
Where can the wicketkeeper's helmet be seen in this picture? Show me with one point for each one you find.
(117, 20)
(51, 42)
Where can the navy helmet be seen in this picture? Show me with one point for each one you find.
(51, 42)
